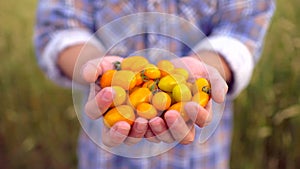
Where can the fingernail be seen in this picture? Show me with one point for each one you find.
(157, 126)
(107, 96)
(171, 116)
(140, 126)
(120, 128)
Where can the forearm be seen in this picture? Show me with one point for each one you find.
(60, 26)
(72, 59)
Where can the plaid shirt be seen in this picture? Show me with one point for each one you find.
(235, 29)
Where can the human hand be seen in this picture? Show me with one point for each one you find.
(99, 101)
(172, 127)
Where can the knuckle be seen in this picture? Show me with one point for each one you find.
(89, 112)
(186, 142)
(188, 139)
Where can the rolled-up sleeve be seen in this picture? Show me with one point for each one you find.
(59, 25)
(238, 32)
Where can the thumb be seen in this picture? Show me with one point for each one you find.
(94, 68)
(91, 70)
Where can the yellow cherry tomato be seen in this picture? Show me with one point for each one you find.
(106, 78)
(119, 113)
(181, 71)
(179, 106)
(181, 93)
(189, 85)
(146, 111)
(151, 71)
(120, 96)
(140, 95)
(201, 98)
(125, 79)
(201, 85)
(201, 90)
(161, 101)
(165, 67)
(167, 83)
(172, 98)
(134, 63)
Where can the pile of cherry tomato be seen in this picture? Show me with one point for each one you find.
(146, 90)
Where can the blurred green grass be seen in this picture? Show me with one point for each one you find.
(39, 128)
(267, 114)
(38, 125)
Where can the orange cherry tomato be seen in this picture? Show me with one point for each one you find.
(134, 89)
(146, 111)
(134, 63)
(106, 78)
(125, 79)
(151, 71)
(139, 79)
(161, 101)
(119, 113)
(140, 95)
(165, 67)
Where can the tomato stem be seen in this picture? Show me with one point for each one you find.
(152, 88)
(144, 77)
(117, 65)
(206, 89)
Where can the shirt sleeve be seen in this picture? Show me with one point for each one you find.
(61, 24)
(238, 32)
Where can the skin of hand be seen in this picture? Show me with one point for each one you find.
(173, 127)
(82, 64)
(100, 100)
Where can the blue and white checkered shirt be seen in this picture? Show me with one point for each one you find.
(235, 29)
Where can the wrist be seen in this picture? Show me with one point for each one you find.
(71, 60)
(218, 62)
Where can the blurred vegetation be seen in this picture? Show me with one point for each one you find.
(38, 125)
(39, 128)
(267, 114)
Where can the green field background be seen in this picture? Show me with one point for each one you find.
(39, 128)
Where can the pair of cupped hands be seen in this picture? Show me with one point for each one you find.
(169, 128)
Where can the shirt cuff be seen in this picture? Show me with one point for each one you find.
(236, 54)
(61, 40)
